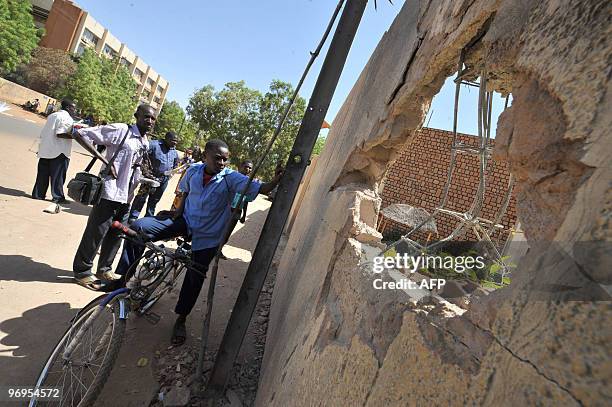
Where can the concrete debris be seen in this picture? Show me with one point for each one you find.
(233, 399)
(176, 366)
(452, 289)
(177, 397)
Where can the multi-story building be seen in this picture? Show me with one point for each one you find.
(72, 29)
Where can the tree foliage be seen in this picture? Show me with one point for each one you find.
(189, 136)
(18, 35)
(48, 70)
(103, 88)
(246, 119)
(319, 144)
(172, 118)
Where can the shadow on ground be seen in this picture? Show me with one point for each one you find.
(73, 207)
(29, 340)
(12, 192)
(23, 268)
(76, 209)
(246, 238)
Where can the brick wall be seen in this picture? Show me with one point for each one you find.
(418, 176)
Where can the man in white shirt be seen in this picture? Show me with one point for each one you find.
(117, 193)
(54, 153)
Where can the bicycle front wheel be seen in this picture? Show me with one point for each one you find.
(82, 360)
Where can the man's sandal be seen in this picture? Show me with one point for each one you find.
(107, 276)
(179, 333)
(90, 282)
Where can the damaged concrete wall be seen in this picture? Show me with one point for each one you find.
(334, 340)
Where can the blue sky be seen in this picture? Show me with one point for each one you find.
(194, 43)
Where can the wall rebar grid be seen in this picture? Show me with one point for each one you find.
(469, 219)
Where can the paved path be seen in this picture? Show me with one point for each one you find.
(36, 251)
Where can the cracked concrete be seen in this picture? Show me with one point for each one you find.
(334, 340)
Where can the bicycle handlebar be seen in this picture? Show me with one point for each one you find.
(124, 229)
(139, 238)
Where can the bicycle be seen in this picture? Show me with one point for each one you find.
(82, 360)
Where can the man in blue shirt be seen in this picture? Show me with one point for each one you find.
(164, 158)
(208, 190)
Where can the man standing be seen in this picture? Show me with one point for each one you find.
(208, 190)
(163, 158)
(54, 153)
(245, 169)
(187, 157)
(131, 144)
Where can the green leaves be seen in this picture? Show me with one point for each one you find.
(246, 120)
(103, 88)
(18, 35)
(169, 119)
(318, 147)
(172, 118)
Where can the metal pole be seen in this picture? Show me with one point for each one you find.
(236, 214)
(279, 212)
(182, 123)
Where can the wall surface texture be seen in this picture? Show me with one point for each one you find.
(17, 94)
(418, 177)
(334, 341)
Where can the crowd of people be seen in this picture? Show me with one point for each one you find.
(207, 192)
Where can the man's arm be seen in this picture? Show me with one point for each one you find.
(267, 187)
(64, 128)
(184, 191)
(91, 149)
(181, 206)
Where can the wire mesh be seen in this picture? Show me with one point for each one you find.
(470, 218)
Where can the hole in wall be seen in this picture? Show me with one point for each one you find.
(440, 113)
(467, 211)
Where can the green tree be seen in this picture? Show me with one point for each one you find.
(246, 119)
(18, 35)
(170, 118)
(189, 136)
(103, 88)
(173, 118)
(48, 70)
(318, 147)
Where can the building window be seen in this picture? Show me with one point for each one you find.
(138, 74)
(150, 82)
(124, 62)
(80, 49)
(157, 100)
(159, 89)
(108, 51)
(90, 38)
(146, 94)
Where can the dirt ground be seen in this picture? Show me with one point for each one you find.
(37, 297)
